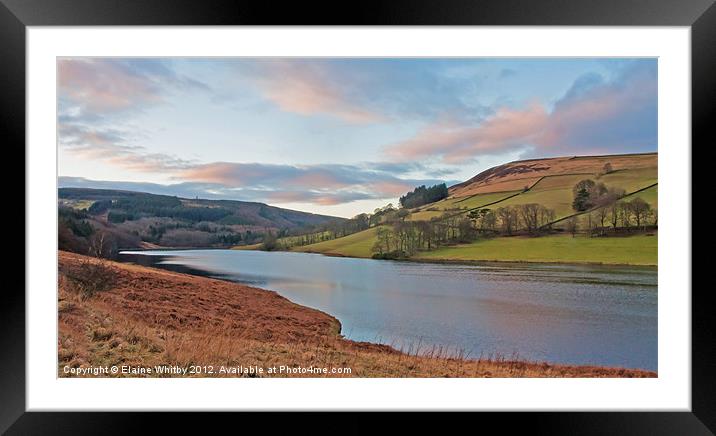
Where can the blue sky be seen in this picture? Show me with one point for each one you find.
(337, 136)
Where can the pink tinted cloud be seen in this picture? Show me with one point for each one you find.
(456, 142)
(308, 88)
(102, 85)
(318, 179)
(391, 188)
(605, 109)
(594, 115)
(319, 198)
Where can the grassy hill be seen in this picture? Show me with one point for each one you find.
(355, 245)
(548, 182)
(524, 173)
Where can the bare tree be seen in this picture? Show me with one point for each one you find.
(101, 245)
(640, 210)
(572, 225)
(384, 237)
(625, 214)
(508, 219)
(530, 216)
(489, 221)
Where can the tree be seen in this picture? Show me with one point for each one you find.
(102, 245)
(625, 214)
(534, 216)
(572, 225)
(428, 233)
(585, 184)
(602, 216)
(467, 231)
(402, 214)
(607, 168)
(424, 195)
(270, 242)
(489, 221)
(384, 237)
(547, 216)
(581, 200)
(476, 215)
(640, 209)
(614, 215)
(530, 216)
(508, 219)
(588, 194)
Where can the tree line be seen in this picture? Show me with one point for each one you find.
(616, 217)
(424, 195)
(402, 238)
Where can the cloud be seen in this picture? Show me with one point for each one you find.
(310, 88)
(114, 85)
(594, 116)
(114, 147)
(96, 95)
(455, 142)
(323, 185)
(359, 91)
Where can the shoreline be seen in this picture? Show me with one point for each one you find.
(416, 259)
(410, 259)
(480, 262)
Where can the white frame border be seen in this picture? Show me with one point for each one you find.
(670, 391)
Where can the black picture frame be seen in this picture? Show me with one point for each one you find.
(16, 15)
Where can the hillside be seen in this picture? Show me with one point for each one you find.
(141, 317)
(520, 174)
(136, 219)
(356, 245)
(547, 182)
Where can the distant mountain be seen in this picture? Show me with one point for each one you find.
(140, 204)
(138, 219)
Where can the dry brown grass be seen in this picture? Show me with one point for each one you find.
(151, 317)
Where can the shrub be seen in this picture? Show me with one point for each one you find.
(397, 254)
(91, 277)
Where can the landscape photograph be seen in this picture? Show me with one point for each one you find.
(357, 217)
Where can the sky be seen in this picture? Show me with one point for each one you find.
(337, 136)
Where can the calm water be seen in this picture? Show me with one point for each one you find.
(561, 314)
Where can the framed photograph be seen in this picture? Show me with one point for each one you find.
(465, 207)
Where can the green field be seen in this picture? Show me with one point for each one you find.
(630, 180)
(355, 245)
(469, 202)
(290, 241)
(632, 250)
(76, 204)
(455, 203)
(553, 192)
(650, 195)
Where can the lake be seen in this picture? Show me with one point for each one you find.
(557, 313)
